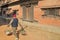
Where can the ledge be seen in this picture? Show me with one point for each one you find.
(52, 6)
(27, 20)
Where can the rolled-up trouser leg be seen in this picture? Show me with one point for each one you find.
(14, 31)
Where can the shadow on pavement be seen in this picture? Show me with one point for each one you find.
(22, 31)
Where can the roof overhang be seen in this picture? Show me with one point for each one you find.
(21, 1)
(29, 2)
(49, 4)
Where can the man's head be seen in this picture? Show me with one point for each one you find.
(14, 13)
(14, 16)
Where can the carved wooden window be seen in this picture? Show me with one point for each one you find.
(51, 12)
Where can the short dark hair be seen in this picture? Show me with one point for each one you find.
(14, 12)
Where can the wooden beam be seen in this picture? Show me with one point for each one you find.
(11, 4)
(18, 2)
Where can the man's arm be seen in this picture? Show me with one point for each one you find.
(20, 24)
(10, 22)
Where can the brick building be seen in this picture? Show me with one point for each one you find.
(43, 11)
(50, 10)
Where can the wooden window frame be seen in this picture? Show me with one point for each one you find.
(51, 12)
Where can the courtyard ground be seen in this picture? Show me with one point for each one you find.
(32, 33)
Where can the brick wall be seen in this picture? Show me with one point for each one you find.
(38, 12)
(46, 20)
